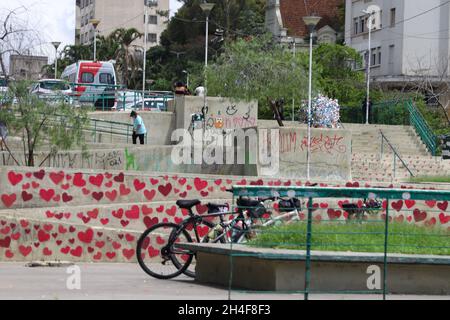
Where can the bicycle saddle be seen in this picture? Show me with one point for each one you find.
(187, 204)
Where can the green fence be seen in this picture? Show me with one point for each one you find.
(341, 220)
(422, 128)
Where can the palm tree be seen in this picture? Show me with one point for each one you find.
(125, 56)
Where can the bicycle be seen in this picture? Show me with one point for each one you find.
(157, 244)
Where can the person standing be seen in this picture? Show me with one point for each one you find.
(139, 130)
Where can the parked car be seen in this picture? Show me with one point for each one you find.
(125, 98)
(93, 82)
(3, 90)
(52, 90)
(150, 104)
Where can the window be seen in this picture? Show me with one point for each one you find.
(87, 77)
(392, 17)
(391, 54)
(152, 19)
(356, 26)
(152, 37)
(106, 78)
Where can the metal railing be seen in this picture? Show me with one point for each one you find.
(384, 231)
(396, 154)
(422, 128)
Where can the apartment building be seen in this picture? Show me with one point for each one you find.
(284, 19)
(410, 39)
(27, 67)
(114, 14)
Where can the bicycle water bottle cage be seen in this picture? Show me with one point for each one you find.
(255, 208)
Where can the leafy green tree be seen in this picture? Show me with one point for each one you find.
(58, 126)
(260, 69)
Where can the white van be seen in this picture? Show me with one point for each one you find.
(93, 82)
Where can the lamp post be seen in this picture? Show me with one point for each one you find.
(95, 23)
(311, 22)
(369, 61)
(207, 8)
(147, 4)
(56, 44)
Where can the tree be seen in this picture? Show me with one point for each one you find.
(125, 55)
(56, 125)
(260, 69)
(338, 78)
(15, 35)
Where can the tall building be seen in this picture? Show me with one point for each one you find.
(410, 39)
(114, 14)
(284, 19)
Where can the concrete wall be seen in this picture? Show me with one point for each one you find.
(331, 154)
(223, 113)
(160, 125)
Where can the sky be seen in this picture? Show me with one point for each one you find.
(55, 18)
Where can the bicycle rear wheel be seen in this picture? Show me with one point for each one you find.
(157, 254)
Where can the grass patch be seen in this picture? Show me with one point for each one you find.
(438, 179)
(357, 237)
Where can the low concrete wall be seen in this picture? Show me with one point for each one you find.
(331, 154)
(223, 113)
(160, 125)
(284, 270)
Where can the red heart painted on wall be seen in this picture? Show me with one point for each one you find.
(165, 190)
(430, 203)
(154, 181)
(47, 194)
(97, 195)
(419, 215)
(111, 255)
(39, 175)
(442, 205)
(47, 252)
(398, 205)
(133, 213)
(146, 210)
(57, 177)
(66, 197)
(14, 178)
(87, 236)
(149, 195)
(78, 180)
(25, 251)
(96, 180)
(172, 211)
(410, 203)
(119, 178)
(5, 243)
(111, 195)
(149, 222)
(93, 214)
(128, 253)
(444, 218)
(138, 185)
(43, 236)
(77, 252)
(124, 191)
(8, 200)
(118, 214)
(26, 196)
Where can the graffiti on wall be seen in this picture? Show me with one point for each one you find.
(291, 142)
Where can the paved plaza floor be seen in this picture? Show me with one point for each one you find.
(129, 282)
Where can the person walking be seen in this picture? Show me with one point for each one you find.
(139, 130)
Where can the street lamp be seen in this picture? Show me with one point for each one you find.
(311, 22)
(369, 62)
(56, 44)
(207, 8)
(95, 23)
(147, 4)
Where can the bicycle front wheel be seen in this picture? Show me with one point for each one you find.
(157, 254)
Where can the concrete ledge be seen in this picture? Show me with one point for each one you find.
(284, 270)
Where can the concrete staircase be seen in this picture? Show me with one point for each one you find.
(369, 164)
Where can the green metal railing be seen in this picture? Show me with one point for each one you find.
(422, 128)
(384, 227)
(396, 154)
